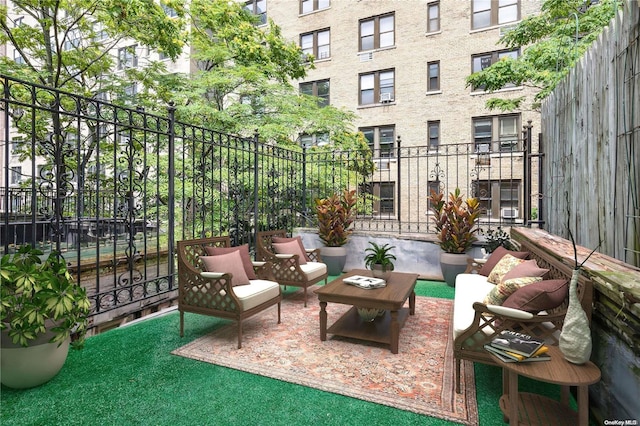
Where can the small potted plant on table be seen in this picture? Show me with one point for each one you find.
(379, 259)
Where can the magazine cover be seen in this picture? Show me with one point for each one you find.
(365, 282)
(518, 343)
(506, 356)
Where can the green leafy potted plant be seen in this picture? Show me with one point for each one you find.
(456, 222)
(41, 308)
(379, 259)
(336, 214)
(494, 238)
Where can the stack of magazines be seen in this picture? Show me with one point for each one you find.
(511, 346)
(365, 282)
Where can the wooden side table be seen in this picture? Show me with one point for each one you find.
(522, 408)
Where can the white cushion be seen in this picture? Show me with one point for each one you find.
(470, 288)
(313, 270)
(256, 292)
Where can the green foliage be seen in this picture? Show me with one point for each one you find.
(495, 238)
(242, 80)
(552, 42)
(34, 292)
(379, 255)
(335, 217)
(455, 221)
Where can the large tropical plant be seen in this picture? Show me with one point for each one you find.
(455, 220)
(39, 296)
(336, 214)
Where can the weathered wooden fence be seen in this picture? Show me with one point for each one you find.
(591, 138)
(591, 186)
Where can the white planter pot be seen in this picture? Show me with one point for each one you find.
(451, 265)
(335, 258)
(26, 367)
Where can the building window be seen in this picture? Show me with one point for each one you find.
(15, 147)
(170, 12)
(433, 186)
(16, 175)
(317, 44)
(259, 9)
(72, 41)
(501, 128)
(377, 87)
(377, 33)
(317, 139)
(317, 88)
(381, 140)
(434, 76)
(498, 199)
(18, 21)
(307, 6)
(433, 128)
(17, 57)
(127, 57)
(433, 17)
(485, 60)
(508, 133)
(488, 13)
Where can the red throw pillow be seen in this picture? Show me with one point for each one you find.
(495, 257)
(291, 247)
(288, 239)
(244, 255)
(540, 296)
(230, 263)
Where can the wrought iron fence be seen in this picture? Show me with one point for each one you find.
(114, 188)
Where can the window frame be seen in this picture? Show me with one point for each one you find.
(376, 190)
(430, 79)
(430, 125)
(126, 54)
(494, 13)
(252, 7)
(376, 32)
(377, 87)
(433, 22)
(315, 6)
(324, 100)
(490, 194)
(493, 57)
(315, 47)
(16, 175)
(315, 139)
(375, 143)
(496, 138)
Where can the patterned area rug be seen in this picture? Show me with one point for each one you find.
(420, 378)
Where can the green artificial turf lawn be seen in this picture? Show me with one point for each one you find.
(127, 376)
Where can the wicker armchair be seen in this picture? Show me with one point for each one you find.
(211, 293)
(547, 325)
(287, 269)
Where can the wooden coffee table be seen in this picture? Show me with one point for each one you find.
(391, 299)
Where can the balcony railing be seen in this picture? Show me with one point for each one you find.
(114, 188)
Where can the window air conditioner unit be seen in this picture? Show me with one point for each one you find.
(483, 148)
(385, 97)
(364, 57)
(509, 213)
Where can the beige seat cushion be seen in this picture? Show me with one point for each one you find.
(313, 270)
(470, 288)
(257, 292)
